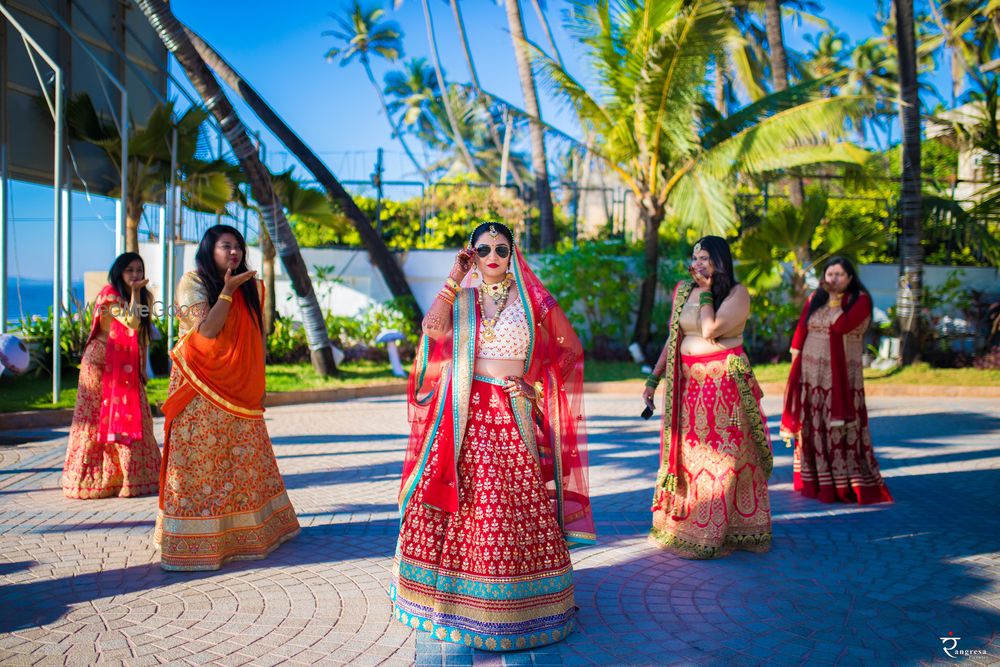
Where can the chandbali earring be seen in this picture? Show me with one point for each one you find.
(509, 276)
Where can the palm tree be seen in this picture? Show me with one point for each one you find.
(785, 238)
(911, 253)
(379, 253)
(482, 99)
(828, 54)
(779, 75)
(456, 135)
(205, 185)
(414, 92)
(539, 162)
(171, 33)
(363, 34)
(664, 140)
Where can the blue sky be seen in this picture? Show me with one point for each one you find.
(279, 49)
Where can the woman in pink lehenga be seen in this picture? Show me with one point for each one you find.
(715, 453)
(825, 396)
(112, 450)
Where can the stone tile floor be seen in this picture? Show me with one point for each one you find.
(80, 582)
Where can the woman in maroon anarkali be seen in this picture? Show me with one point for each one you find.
(825, 408)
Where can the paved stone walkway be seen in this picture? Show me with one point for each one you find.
(80, 582)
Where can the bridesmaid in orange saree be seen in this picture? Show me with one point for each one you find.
(112, 450)
(825, 408)
(221, 495)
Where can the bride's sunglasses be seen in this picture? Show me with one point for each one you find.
(484, 251)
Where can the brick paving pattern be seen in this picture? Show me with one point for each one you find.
(80, 581)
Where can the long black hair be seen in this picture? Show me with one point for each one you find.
(724, 277)
(500, 227)
(204, 259)
(854, 288)
(116, 278)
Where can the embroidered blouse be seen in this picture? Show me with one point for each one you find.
(511, 340)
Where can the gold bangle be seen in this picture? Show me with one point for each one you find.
(226, 297)
(539, 390)
(453, 285)
(447, 296)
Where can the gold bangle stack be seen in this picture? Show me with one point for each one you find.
(447, 296)
(226, 297)
(449, 291)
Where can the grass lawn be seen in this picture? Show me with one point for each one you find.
(919, 374)
(35, 393)
(28, 393)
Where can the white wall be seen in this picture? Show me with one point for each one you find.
(426, 271)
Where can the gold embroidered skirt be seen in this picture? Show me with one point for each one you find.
(720, 503)
(223, 497)
(99, 470)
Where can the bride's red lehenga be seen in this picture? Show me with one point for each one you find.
(494, 492)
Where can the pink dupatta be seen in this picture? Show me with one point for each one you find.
(121, 409)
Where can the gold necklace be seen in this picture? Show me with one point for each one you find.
(500, 301)
(496, 291)
(834, 301)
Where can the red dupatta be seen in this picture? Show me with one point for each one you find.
(841, 403)
(121, 408)
(438, 393)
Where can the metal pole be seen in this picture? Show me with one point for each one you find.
(505, 154)
(3, 233)
(173, 203)
(57, 179)
(124, 177)
(377, 182)
(66, 236)
(119, 227)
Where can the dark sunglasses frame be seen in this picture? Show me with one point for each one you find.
(503, 251)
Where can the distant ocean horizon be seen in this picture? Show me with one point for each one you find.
(30, 296)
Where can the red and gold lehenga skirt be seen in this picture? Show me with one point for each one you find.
(99, 470)
(720, 503)
(496, 574)
(835, 462)
(223, 498)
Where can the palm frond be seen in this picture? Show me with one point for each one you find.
(758, 148)
(704, 203)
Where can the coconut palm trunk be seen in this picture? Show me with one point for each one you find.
(651, 216)
(481, 98)
(539, 164)
(779, 75)
(911, 253)
(379, 253)
(456, 133)
(171, 32)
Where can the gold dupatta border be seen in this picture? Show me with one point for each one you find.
(464, 329)
(666, 480)
(739, 370)
(207, 392)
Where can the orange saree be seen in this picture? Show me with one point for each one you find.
(222, 497)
